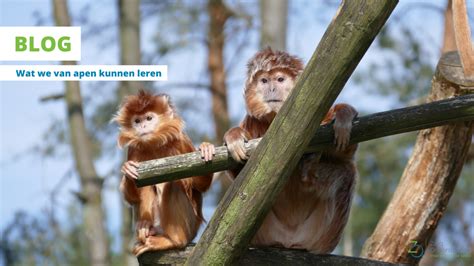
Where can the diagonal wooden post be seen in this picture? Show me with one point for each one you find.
(245, 205)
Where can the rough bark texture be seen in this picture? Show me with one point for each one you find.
(245, 205)
(130, 54)
(427, 183)
(364, 128)
(218, 15)
(91, 183)
(274, 19)
(262, 256)
(462, 33)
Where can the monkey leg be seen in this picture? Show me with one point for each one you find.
(326, 175)
(159, 242)
(145, 212)
(337, 203)
(177, 219)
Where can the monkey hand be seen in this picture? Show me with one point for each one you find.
(129, 169)
(342, 134)
(207, 151)
(343, 116)
(235, 140)
(144, 229)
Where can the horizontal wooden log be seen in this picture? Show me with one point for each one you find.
(261, 256)
(364, 128)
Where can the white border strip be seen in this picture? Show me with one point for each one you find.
(83, 72)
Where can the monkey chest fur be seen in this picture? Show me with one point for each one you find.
(310, 213)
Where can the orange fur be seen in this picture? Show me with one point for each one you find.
(173, 208)
(312, 210)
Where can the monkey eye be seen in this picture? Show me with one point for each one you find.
(281, 79)
(264, 80)
(137, 121)
(148, 118)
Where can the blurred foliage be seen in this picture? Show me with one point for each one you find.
(42, 240)
(404, 68)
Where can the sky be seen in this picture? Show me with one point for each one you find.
(26, 178)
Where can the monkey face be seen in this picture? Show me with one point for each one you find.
(144, 125)
(271, 76)
(268, 92)
(147, 119)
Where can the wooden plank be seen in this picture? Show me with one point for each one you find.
(364, 128)
(261, 256)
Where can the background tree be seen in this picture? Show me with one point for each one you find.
(218, 16)
(130, 54)
(91, 184)
(274, 23)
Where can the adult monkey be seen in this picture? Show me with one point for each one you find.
(313, 208)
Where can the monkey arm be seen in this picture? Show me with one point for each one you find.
(340, 111)
(342, 115)
(202, 183)
(235, 139)
(129, 191)
(145, 212)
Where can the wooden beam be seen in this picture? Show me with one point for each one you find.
(364, 128)
(261, 256)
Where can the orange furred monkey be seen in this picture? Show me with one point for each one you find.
(168, 215)
(312, 210)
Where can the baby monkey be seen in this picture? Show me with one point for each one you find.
(168, 215)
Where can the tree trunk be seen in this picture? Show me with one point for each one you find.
(91, 183)
(218, 15)
(428, 181)
(274, 20)
(130, 54)
(274, 23)
(238, 216)
(129, 16)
